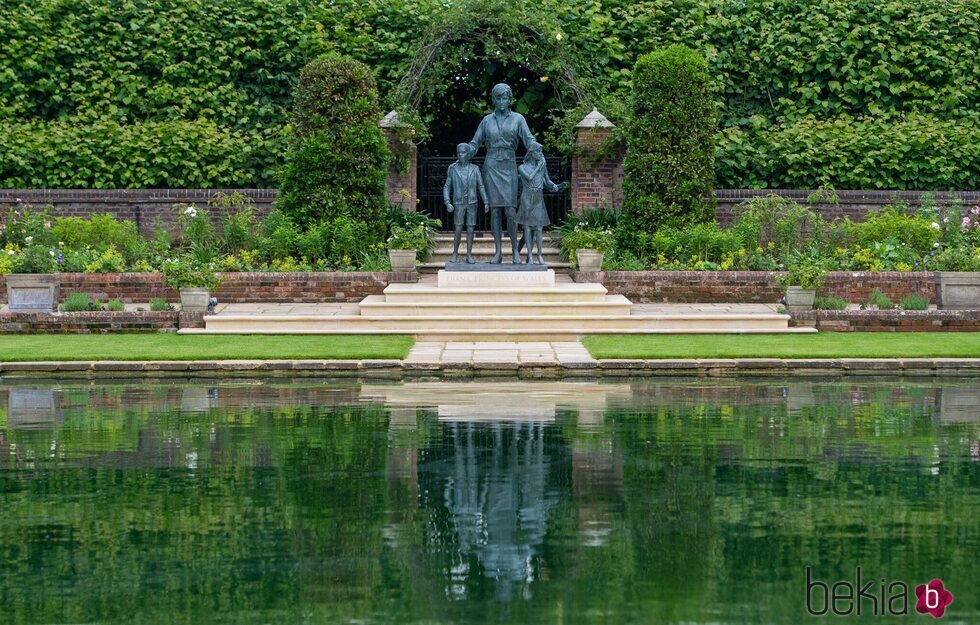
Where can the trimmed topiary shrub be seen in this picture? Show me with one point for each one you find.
(669, 161)
(337, 161)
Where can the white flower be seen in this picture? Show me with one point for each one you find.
(51, 252)
(558, 36)
(28, 239)
(935, 225)
(10, 252)
(935, 244)
(190, 211)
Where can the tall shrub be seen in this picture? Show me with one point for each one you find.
(338, 157)
(669, 162)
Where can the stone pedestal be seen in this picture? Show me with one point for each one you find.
(33, 292)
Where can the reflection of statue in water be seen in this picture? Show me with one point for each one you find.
(498, 486)
(501, 131)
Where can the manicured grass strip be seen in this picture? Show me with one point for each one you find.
(822, 345)
(199, 347)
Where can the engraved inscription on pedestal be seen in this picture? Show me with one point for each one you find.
(32, 292)
(30, 299)
(487, 279)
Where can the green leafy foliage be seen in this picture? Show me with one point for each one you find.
(914, 301)
(79, 302)
(186, 272)
(668, 164)
(180, 93)
(332, 187)
(158, 304)
(829, 303)
(115, 305)
(880, 301)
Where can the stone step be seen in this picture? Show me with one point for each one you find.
(487, 236)
(446, 247)
(376, 306)
(467, 325)
(430, 267)
(408, 293)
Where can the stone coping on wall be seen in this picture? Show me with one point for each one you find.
(397, 369)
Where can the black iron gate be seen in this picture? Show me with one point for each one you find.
(432, 178)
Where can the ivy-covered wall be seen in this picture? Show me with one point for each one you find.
(181, 93)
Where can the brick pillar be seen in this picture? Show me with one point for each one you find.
(402, 184)
(597, 181)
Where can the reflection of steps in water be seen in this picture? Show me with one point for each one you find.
(499, 401)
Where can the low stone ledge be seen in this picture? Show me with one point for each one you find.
(932, 320)
(964, 367)
(94, 322)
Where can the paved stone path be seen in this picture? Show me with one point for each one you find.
(563, 353)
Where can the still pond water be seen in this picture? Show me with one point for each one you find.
(645, 501)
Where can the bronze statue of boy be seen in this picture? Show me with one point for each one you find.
(464, 185)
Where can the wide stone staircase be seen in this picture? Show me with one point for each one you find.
(483, 249)
(495, 306)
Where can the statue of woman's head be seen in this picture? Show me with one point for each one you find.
(502, 96)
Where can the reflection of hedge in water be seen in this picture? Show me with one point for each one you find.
(726, 491)
(209, 76)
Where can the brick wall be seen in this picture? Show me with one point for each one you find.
(88, 322)
(757, 286)
(142, 206)
(235, 287)
(853, 204)
(889, 320)
(595, 183)
(402, 186)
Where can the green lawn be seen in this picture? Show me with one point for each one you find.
(821, 345)
(199, 347)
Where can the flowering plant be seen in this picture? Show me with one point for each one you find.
(585, 238)
(416, 238)
(185, 272)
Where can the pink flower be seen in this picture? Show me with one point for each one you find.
(965, 223)
(932, 598)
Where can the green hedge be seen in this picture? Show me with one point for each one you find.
(334, 177)
(671, 127)
(914, 152)
(106, 154)
(777, 63)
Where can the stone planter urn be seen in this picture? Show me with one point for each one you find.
(589, 261)
(798, 298)
(33, 292)
(957, 290)
(402, 260)
(194, 299)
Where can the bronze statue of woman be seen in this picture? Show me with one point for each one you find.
(502, 131)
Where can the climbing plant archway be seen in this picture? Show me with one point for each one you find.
(476, 43)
